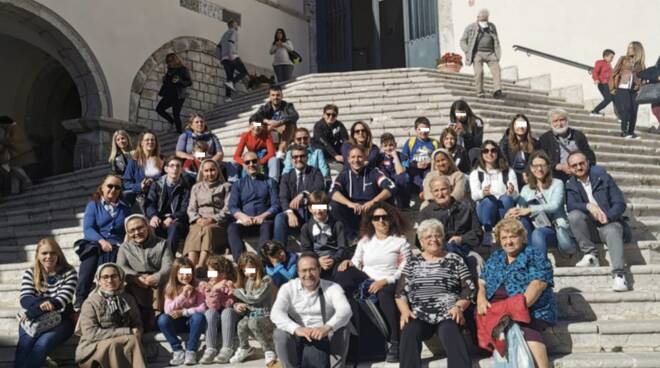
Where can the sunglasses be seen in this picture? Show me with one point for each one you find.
(358, 131)
(331, 114)
(298, 157)
(380, 218)
(113, 186)
(300, 139)
(489, 150)
(251, 162)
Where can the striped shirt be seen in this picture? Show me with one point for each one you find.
(59, 288)
(432, 288)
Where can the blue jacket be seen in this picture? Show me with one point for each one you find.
(254, 196)
(284, 272)
(605, 191)
(315, 158)
(174, 206)
(133, 176)
(362, 186)
(98, 224)
(530, 264)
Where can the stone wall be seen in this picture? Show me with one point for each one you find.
(206, 92)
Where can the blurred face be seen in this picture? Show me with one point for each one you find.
(279, 258)
(109, 279)
(449, 142)
(301, 138)
(360, 134)
(309, 273)
(540, 168)
(423, 131)
(184, 275)
(482, 17)
(511, 243)
(251, 163)
(558, 122)
(609, 58)
(171, 62)
(388, 147)
(47, 257)
(209, 172)
(442, 163)
(299, 159)
(250, 271)
(631, 50)
(356, 159)
(520, 127)
(121, 141)
(256, 127)
(173, 170)
(111, 189)
(279, 35)
(461, 115)
(330, 116)
(275, 97)
(149, 143)
(198, 125)
(489, 153)
(381, 221)
(579, 165)
(137, 230)
(432, 242)
(319, 212)
(441, 193)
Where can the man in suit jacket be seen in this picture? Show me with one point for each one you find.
(295, 186)
(595, 207)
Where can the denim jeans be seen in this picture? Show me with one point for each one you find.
(195, 325)
(491, 210)
(31, 352)
(174, 234)
(545, 237)
(281, 229)
(236, 232)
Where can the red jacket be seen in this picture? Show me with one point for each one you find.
(514, 307)
(602, 72)
(254, 144)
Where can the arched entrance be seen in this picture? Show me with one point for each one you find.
(50, 74)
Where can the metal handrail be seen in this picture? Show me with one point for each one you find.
(557, 59)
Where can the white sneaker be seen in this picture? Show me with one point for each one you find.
(178, 357)
(619, 283)
(596, 114)
(224, 356)
(228, 99)
(240, 355)
(230, 85)
(588, 260)
(191, 358)
(270, 357)
(208, 356)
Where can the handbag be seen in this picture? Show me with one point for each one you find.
(517, 352)
(295, 57)
(649, 93)
(43, 323)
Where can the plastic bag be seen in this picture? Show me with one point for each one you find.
(517, 352)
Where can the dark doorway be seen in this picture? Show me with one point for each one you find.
(392, 48)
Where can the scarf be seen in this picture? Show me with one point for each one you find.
(114, 300)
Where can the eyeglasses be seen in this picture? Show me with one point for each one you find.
(298, 157)
(113, 277)
(489, 150)
(302, 139)
(137, 229)
(380, 218)
(113, 186)
(251, 162)
(331, 114)
(578, 164)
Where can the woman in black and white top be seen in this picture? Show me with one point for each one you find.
(46, 294)
(434, 289)
(282, 64)
(120, 153)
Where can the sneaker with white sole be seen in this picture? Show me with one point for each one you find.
(588, 260)
(240, 355)
(178, 357)
(208, 356)
(191, 358)
(230, 85)
(228, 99)
(596, 114)
(619, 283)
(270, 357)
(224, 356)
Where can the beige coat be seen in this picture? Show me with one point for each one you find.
(209, 200)
(457, 181)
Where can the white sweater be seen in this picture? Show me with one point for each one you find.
(381, 259)
(494, 179)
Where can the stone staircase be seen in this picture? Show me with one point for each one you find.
(598, 328)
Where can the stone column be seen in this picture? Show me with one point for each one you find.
(446, 28)
(309, 8)
(94, 138)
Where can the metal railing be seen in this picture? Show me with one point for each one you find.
(554, 58)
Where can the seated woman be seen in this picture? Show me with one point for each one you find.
(197, 134)
(449, 141)
(493, 186)
(434, 289)
(279, 264)
(469, 127)
(145, 167)
(110, 325)
(520, 269)
(46, 292)
(376, 265)
(518, 144)
(120, 153)
(361, 137)
(541, 208)
(103, 229)
(207, 213)
(442, 164)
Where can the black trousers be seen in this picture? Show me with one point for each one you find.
(176, 104)
(416, 331)
(604, 90)
(626, 106)
(231, 66)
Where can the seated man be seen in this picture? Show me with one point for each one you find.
(595, 207)
(324, 235)
(146, 259)
(330, 134)
(280, 117)
(357, 189)
(311, 317)
(167, 203)
(560, 141)
(295, 187)
(253, 202)
(315, 156)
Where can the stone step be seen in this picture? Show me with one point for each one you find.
(628, 336)
(607, 305)
(598, 279)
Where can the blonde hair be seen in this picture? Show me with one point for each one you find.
(39, 274)
(639, 57)
(115, 149)
(141, 157)
(512, 226)
(192, 118)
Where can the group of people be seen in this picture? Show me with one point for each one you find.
(157, 230)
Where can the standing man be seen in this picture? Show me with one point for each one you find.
(481, 44)
(229, 57)
(281, 117)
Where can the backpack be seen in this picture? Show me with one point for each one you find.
(505, 177)
(413, 140)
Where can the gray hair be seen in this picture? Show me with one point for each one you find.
(430, 225)
(440, 178)
(557, 111)
(484, 12)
